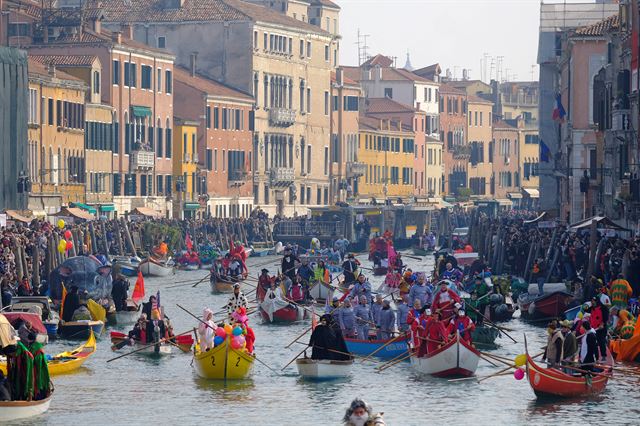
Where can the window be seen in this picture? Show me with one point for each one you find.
(301, 48)
(169, 185)
(116, 72)
(224, 160)
(255, 39)
(309, 100)
(33, 106)
(208, 117)
(531, 139)
(162, 42)
(215, 160)
(59, 113)
(159, 141)
(480, 118)
(96, 82)
(302, 96)
(168, 140)
(326, 161)
(130, 74)
(19, 29)
(216, 118)
(308, 160)
(238, 123)
(308, 49)
(388, 92)
(159, 80)
(350, 103)
(209, 159)
(593, 164)
(326, 103)
(146, 77)
(266, 193)
(318, 196)
(327, 56)
(225, 118)
(168, 81)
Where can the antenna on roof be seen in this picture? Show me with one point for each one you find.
(363, 48)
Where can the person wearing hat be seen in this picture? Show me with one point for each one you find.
(288, 264)
(264, 280)
(570, 345)
(432, 331)
(376, 308)
(555, 342)
(347, 319)
(326, 341)
(237, 300)
(402, 313)
(444, 301)
(387, 321)
(462, 324)
(332, 308)
(305, 271)
(349, 267)
(361, 287)
(363, 317)
(621, 291)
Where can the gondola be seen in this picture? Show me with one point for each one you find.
(222, 362)
(454, 358)
(151, 267)
(182, 342)
(379, 348)
(224, 284)
(80, 329)
(548, 306)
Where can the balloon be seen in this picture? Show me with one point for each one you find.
(67, 234)
(221, 333)
(237, 331)
(520, 360)
(62, 246)
(60, 223)
(218, 340)
(237, 342)
(519, 374)
(228, 329)
(69, 245)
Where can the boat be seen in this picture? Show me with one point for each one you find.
(465, 259)
(220, 284)
(455, 358)
(80, 329)
(129, 315)
(323, 369)
(151, 267)
(15, 410)
(286, 314)
(66, 362)
(555, 383)
(380, 270)
(262, 249)
(419, 251)
(42, 334)
(572, 313)
(183, 342)
(548, 306)
(392, 350)
(126, 265)
(484, 337)
(222, 362)
(501, 308)
(320, 291)
(38, 304)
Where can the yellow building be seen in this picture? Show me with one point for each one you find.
(185, 168)
(528, 164)
(480, 134)
(56, 151)
(386, 147)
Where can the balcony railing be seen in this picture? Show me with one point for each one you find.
(621, 120)
(237, 177)
(142, 160)
(282, 117)
(281, 176)
(356, 169)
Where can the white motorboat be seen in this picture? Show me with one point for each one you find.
(323, 369)
(455, 358)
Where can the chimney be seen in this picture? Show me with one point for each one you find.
(193, 63)
(52, 70)
(339, 77)
(116, 37)
(399, 125)
(96, 25)
(378, 73)
(127, 31)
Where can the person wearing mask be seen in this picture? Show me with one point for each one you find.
(363, 318)
(463, 325)
(444, 301)
(350, 266)
(588, 347)
(402, 314)
(237, 300)
(347, 319)
(387, 321)
(360, 413)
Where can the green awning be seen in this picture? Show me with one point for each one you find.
(191, 206)
(86, 207)
(140, 111)
(107, 207)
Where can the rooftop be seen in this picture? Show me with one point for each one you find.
(388, 74)
(39, 69)
(208, 86)
(600, 28)
(501, 124)
(376, 124)
(65, 60)
(446, 88)
(387, 106)
(478, 100)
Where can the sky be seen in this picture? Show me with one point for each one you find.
(454, 33)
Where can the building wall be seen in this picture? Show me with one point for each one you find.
(456, 157)
(434, 168)
(185, 167)
(529, 154)
(506, 165)
(99, 154)
(479, 132)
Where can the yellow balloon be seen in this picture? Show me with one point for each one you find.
(520, 360)
(62, 246)
(61, 223)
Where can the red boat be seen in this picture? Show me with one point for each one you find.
(550, 305)
(551, 382)
(280, 311)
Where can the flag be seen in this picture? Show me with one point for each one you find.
(188, 242)
(64, 296)
(138, 290)
(558, 110)
(545, 152)
(314, 320)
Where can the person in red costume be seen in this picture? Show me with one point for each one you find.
(463, 324)
(241, 318)
(444, 301)
(413, 319)
(433, 333)
(238, 252)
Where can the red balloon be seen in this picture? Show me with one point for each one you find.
(69, 245)
(67, 234)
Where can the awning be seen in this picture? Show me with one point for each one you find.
(144, 211)
(601, 222)
(19, 216)
(140, 111)
(191, 206)
(504, 202)
(532, 192)
(527, 222)
(444, 204)
(74, 212)
(514, 195)
(86, 207)
(107, 207)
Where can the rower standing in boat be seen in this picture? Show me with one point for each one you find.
(327, 341)
(387, 321)
(402, 314)
(288, 263)
(420, 291)
(347, 319)
(361, 287)
(376, 308)
(119, 292)
(363, 317)
(444, 301)
(350, 266)
(305, 271)
(237, 300)
(588, 347)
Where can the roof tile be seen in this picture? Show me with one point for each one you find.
(208, 86)
(65, 60)
(600, 28)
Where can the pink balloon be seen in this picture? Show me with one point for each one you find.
(237, 342)
(220, 332)
(519, 374)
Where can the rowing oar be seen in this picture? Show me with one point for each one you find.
(403, 354)
(204, 278)
(492, 324)
(383, 346)
(258, 359)
(331, 350)
(412, 257)
(148, 346)
(495, 374)
(384, 367)
(294, 358)
(297, 338)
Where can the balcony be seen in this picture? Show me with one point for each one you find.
(196, 159)
(281, 177)
(356, 169)
(461, 151)
(621, 120)
(187, 158)
(282, 117)
(142, 160)
(237, 177)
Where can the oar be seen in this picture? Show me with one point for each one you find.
(383, 346)
(204, 278)
(403, 354)
(495, 374)
(148, 346)
(412, 257)
(294, 358)
(394, 363)
(258, 359)
(298, 338)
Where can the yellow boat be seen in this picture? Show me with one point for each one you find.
(66, 362)
(222, 362)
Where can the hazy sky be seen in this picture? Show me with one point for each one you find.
(454, 33)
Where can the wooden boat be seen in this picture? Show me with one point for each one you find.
(80, 329)
(151, 267)
(15, 410)
(367, 347)
(66, 362)
(320, 291)
(127, 265)
(323, 369)
(129, 315)
(455, 358)
(262, 250)
(288, 314)
(222, 362)
(182, 342)
(547, 306)
(484, 337)
(380, 270)
(419, 251)
(34, 304)
(224, 284)
(465, 259)
(554, 383)
(42, 334)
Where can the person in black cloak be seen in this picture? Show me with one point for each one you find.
(324, 337)
(71, 303)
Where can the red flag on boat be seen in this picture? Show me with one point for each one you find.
(188, 242)
(138, 290)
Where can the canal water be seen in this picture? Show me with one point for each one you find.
(141, 390)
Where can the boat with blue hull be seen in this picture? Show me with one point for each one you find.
(367, 347)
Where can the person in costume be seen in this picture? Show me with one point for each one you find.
(444, 301)
(327, 342)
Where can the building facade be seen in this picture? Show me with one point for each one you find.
(480, 135)
(185, 169)
(453, 134)
(505, 149)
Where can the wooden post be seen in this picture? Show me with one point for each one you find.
(74, 243)
(593, 241)
(527, 266)
(118, 238)
(35, 259)
(17, 254)
(127, 236)
(92, 235)
(105, 242)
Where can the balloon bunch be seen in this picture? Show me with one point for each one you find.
(66, 244)
(520, 361)
(236, 334)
